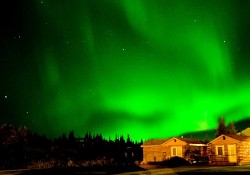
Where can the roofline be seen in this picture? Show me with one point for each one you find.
(149, 145)
(221, 136)
(194, 144)
(197, 144)
(173, 138)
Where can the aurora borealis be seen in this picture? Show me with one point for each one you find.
(148, 68)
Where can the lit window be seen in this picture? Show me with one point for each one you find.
(220, 150)
(176, 151)
(231, 149)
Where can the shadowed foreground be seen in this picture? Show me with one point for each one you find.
(74, 171)
(190, 170)
(136, 170)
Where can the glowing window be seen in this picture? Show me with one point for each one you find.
(220, 150)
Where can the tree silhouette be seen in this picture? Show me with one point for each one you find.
(231, 129)
(21, 148)
(221, 129)
(206, 139)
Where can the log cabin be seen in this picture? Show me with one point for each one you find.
(159, 150)
(229, 150)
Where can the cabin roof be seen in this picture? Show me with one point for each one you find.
(236, 137)
(240, 137)
(192, 140)
(154, 142)
(245, 132)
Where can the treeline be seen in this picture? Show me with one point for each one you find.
(222, 128)
(21, 148)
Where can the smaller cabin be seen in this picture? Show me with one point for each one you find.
(159, 150)
(229, 150)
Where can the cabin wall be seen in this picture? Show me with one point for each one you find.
(242, 156)
(152, 153)
(161, 153)
(175, 143)
(219, 159)
(224, 159)
(244, 153)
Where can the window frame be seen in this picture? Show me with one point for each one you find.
(217, 150)
(176, 151)
(234, 149)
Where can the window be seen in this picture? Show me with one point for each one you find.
(231, 149)
(176, 151)
(220, 150)
(232, 157)
(223, 137)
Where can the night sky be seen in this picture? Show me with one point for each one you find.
(148, 68)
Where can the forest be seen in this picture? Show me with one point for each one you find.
(22, 148)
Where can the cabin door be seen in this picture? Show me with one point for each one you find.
(232, 157)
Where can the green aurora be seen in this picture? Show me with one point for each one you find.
(148, 68)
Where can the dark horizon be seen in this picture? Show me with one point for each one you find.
(201, 135)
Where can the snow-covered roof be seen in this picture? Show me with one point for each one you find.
(245, 132)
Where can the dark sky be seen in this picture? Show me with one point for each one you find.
(148, 68)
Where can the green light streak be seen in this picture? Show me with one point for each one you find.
(135, 65)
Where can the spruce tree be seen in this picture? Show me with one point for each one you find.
(206, 139)
(222, 129)
(231, 129)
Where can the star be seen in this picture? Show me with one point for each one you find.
(5, 96)
(17, 37)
